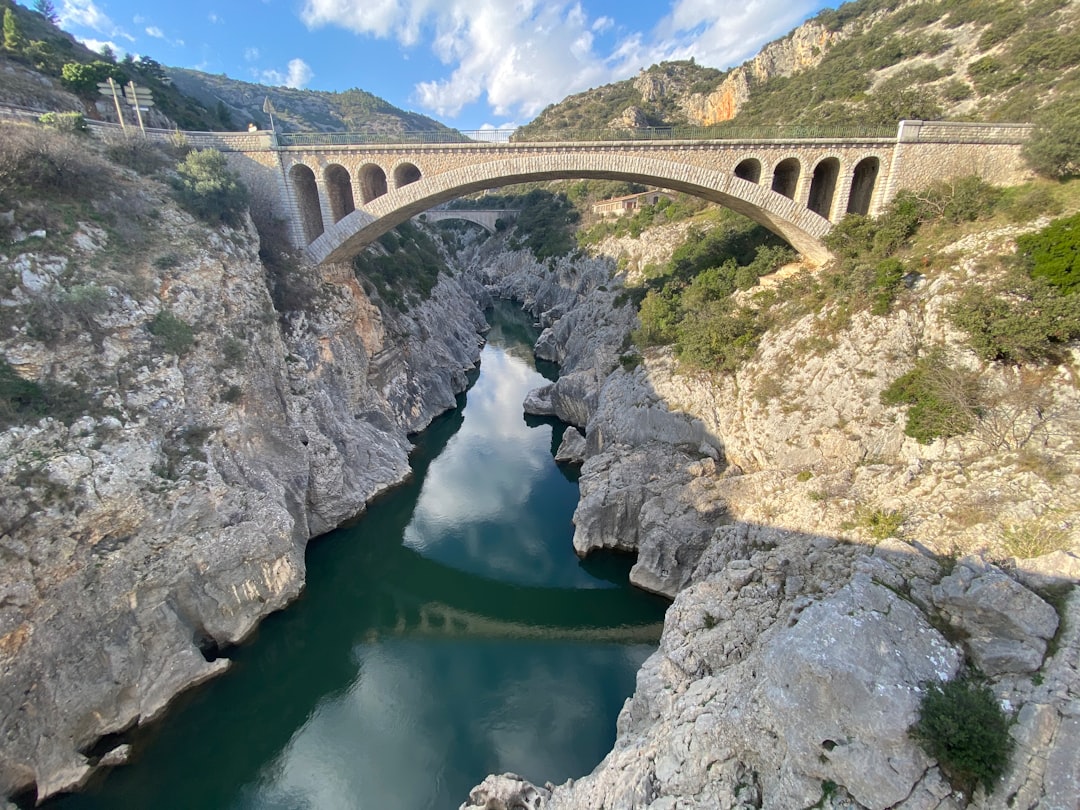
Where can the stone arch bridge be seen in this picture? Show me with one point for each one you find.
(340, 191)
(486, 219)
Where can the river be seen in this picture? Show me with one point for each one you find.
(448, 633)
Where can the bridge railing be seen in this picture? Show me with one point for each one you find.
(758, 133)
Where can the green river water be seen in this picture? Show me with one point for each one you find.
(449, 633)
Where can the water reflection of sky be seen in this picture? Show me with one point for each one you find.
(494, 503)
(405, 675)
(423, 723)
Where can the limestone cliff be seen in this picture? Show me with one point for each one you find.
(139, 539)
(802, 633)
(802, 48)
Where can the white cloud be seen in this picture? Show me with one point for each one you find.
(726, 33)
(97, 44)
(298, 74)
(86, 14)
(251, 54)
(213, 17)
(519, 57)
(155, 32)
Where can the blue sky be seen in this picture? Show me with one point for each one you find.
(468, 63)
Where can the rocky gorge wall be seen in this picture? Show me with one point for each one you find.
(801, 637)
(138, 541)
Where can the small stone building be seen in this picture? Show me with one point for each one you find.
(617, 206)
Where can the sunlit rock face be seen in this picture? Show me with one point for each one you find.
(800, 641)
(141, 538)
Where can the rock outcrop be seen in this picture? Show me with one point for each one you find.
(139, 540)
(802, 635)
(802, 48)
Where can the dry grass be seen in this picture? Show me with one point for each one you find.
(1034, 538)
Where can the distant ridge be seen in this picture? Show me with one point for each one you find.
(297, 110)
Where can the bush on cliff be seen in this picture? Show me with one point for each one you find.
(1054, 147)
(1054, 253)
(942, 401)
(37, 161)
(962, 726)
(1018, 319)
(174, 334)
(206, 187)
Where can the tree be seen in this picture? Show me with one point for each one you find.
(47, 10)
(14, 40)
(150, 68)
(208, 189)
(1054, 147)
(83, 79)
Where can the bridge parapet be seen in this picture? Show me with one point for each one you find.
(962, 132)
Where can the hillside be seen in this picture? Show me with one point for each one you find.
(297, 110)
(869, 62)
(51, 70)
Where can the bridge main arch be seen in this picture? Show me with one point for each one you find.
(802, 228)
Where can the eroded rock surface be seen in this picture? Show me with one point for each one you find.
(802, 634)
(137, 541)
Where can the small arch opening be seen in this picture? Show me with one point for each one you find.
(863, 181)
(823, 186)
(307, 197)
(749, 169)
(339, 191)
(372, 182)
(786, 177)
(405, 173)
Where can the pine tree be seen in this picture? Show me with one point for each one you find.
(47, 10)
(13, 36)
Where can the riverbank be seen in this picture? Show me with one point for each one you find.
(230, 418)
(803, 633)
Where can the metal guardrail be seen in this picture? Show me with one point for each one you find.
(719, 133)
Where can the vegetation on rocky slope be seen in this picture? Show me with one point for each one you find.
(964, 59)
(188, 99)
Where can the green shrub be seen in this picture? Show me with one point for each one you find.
(942, 401)
(1054, 253)
(850, 237)
(1017, 319)
(1054, 147)
(72, 122)
(208, 189)
(888, 274)
(82, 79)
(24, 401)
(879, 523)
(962, 726)
(175, 334)
(234, 353)
(659, 315)
(719, 336)
(898, 223)
(964, 200)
